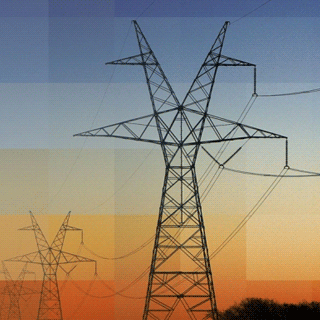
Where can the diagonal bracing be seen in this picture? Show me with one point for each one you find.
(180, 129)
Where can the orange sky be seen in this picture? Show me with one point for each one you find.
(114, 200)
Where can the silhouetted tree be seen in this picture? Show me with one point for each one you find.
(264, 309)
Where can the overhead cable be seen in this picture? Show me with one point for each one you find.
(250, 214)
(289, 93)
(245, 15)
(123, 256)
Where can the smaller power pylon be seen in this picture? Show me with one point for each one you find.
(50, 257)
(14, 289)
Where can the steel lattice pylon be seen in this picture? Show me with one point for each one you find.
(180, 129)
(14, 289)
(50, 257)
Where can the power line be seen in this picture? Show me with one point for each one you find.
(123, 256)
(131, 284)
(145, 9)
(123, 184)
(98, 110)
(219, 153)
(305, 175)
(83, 298)
(245, 15)
(250, 214)
(223, 148)
(289, 93)
(94, 119)
(82, 147)
(254, 209)
(114, 293)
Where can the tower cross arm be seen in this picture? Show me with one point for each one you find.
(33, 257)
(139, 129)
(227, 61)
(218, 129)
(67, 257)
(27, 291)
(139, 59)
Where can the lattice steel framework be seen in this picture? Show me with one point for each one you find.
(180, 269)
(50, 257)
(14, 289)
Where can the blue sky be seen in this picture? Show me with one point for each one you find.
(163, 8)
(69, 41)
(54, 83)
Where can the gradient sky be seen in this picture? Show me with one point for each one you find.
(53, 84)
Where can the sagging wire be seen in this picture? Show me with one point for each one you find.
(83, 298)
(250, 214)
(145, 244)
(289, 93)
(222, 149)
(225, 144)
(123, 185)
(305, 174)
(219, 154)
(245, 15)
(95, 117)
(114, 293)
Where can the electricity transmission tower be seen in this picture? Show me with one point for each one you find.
(14, 289)
(180, 270)
(50, 257)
